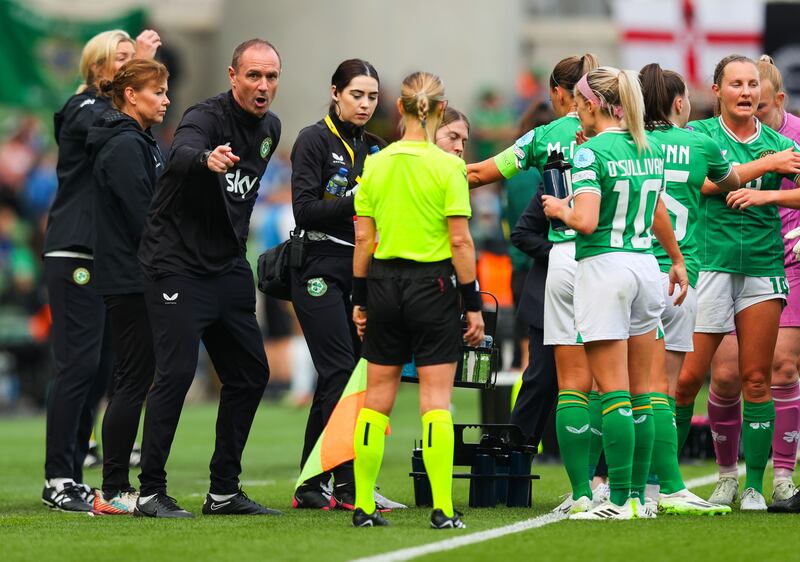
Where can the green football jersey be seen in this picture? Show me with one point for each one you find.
(532, 149)
(629, 185)
(688, 159)
(746, 242)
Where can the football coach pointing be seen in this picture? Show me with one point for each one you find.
(199, 285)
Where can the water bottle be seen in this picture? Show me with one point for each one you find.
(483, 363)
(337, 185)
(557, 182)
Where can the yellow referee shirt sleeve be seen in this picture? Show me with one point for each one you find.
(362, 203)
(456, 196)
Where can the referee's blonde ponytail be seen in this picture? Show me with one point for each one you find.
(619, 95)
(422, 98)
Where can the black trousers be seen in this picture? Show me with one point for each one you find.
(220, 311)
(321, 296)
(132, 341)
(83, 359)
(539, 390)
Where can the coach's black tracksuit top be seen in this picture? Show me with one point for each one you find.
(316, 156)
(199, 220)
(126, 166)
(70, 224)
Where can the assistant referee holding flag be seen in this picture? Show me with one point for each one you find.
(199, 285)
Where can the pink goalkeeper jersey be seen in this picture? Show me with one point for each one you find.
(790, 218)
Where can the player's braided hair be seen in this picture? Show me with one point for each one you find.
(422, 98)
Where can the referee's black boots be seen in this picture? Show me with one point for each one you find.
(162, 506)
(238, 504)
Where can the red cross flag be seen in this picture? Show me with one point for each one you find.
(688, 36)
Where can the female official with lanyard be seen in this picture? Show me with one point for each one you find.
(688, 159)
(742, 282)
(617, 181)
(321, 287)
(573, 425)
(406, 304)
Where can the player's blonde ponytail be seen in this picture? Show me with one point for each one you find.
(422, 98)
(632, 102)
(619, 95)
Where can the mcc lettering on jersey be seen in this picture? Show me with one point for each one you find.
(567, 151)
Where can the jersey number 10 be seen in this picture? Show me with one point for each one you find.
(641, 229)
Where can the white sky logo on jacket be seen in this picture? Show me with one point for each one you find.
(239, 184)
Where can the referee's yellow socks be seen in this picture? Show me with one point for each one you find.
(368, 443)
(437, 454)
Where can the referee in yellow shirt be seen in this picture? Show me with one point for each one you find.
(405, 301)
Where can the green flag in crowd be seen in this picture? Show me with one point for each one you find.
(39, 54)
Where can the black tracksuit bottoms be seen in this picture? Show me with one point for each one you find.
(321, 296)
(83, 358)
(134, 367)
(539, 391)
(220, 311)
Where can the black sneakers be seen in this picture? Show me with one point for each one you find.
(344, 496)
(161, 506)
(790, 505)
(361, 519)
(441, 521)
(71, 498)
(239, 504)
(312, 498)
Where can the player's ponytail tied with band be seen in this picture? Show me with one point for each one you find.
(135, 74)
(422, 98)
(659, 88)
(767, 71)
(618, 94)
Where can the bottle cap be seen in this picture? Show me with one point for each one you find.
(342, 171)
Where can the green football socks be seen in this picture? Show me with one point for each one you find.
(644, 434)
(595, 430)
(759, 422)
(618, 443)
(683, 423)
(665, 447)
(572, 430)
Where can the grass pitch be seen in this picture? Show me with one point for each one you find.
(31, 532)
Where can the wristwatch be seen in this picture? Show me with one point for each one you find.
(204, 158)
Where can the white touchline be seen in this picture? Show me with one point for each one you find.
(458, 542)
(482, 536)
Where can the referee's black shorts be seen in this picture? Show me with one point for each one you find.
(412, 309)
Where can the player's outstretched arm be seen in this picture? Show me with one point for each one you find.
(481, 173)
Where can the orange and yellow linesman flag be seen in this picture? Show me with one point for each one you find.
(335, 445)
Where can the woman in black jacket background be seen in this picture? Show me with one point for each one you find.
(126, 166)
(321, 287)
(80, 344)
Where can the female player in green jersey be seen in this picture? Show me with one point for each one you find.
(688, 159)
(742, 283)
(573, 427)
(617, 181)
(405, 299)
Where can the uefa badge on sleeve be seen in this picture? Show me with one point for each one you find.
(81, 276)
(317, 287)
(266, 146)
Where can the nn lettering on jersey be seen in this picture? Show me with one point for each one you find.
(641, 167)
(239, 184)
(675, 153)
(567, 151)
